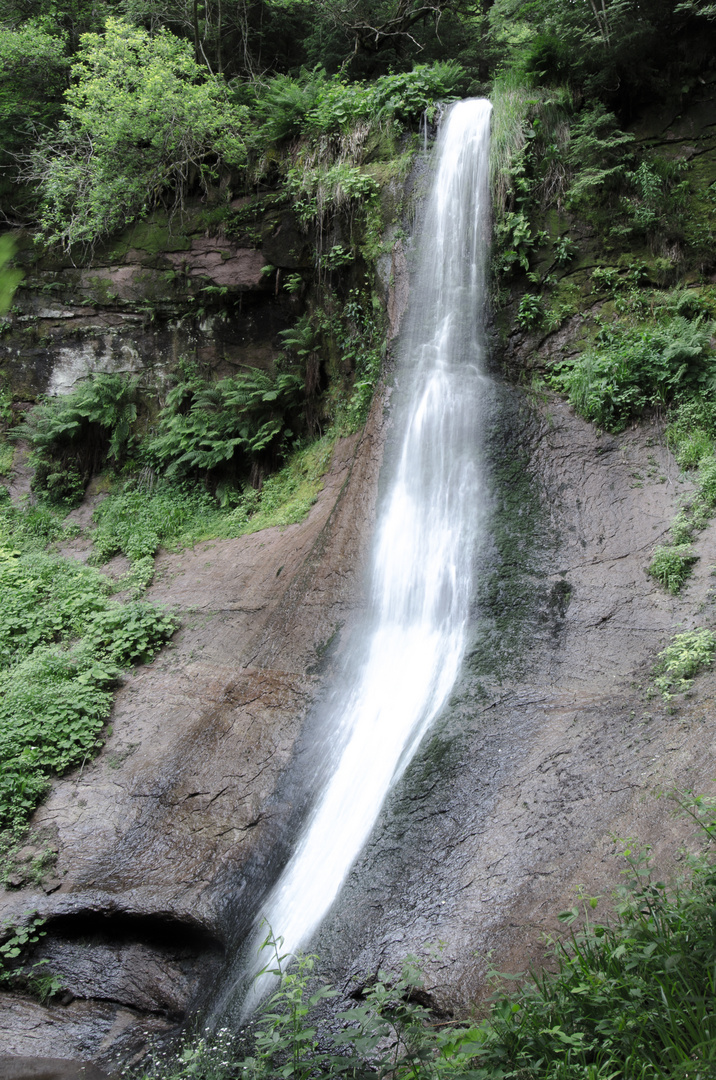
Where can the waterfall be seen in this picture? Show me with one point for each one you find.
(429, 524)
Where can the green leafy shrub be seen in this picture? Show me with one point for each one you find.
(406, 95)
(530, 313)
(605, 279)
(599, 155)
(31, 528)
(319, 191)
(633, 998)
(692, 447)
(659, 199)
(671, 565)
(214, 429)
(631, 368)
(286, 496)
(63, 641)
(516, 241)
(314, 105)
(707, 481)
(43, 597)
(682, 528)
(33, 74)
(17, 938)
(691, 430)
(565, 250)
(10, 277)
(74, 435)
(528, 146)
(142, 122)
(361, 342)
(136, 521)
(335, 126)
(286, 102)
(680, 661)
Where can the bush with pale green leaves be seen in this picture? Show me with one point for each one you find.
(142, 122)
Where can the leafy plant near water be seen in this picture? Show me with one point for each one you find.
(690, 434)
(335, 126)
(361, 341)
(315, 105)
(63, 642)
(633, 998)
(680, 661)
(138, 518)
(142, 516)
(530, 133)
(671, 565)
(530, 312)
(631, 368)
(16, 939)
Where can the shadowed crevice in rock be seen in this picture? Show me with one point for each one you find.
(147, 963)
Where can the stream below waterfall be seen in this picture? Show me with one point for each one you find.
(408, 652)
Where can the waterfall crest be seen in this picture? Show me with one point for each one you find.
(424, 550)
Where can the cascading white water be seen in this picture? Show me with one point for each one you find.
(424, 551)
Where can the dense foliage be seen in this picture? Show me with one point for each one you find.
(114, 115)
(142, 123)
(75, 435)
(629, 369)
(63, 643)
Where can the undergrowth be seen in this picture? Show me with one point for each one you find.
(632, 998)
(146, 512)
(64, 639)
(63, 643)
(680, 661)
(690, 434)
(630, 368)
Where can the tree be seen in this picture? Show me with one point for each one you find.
(627, 53)
(33, 75)
(143, 123)
(376, 26)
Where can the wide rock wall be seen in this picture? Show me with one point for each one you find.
(162, 291)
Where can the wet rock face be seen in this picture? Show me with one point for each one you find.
(545, 757)
(548, 748)
(150, 965)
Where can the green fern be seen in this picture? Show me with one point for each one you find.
(74, 435)
(211, 429)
